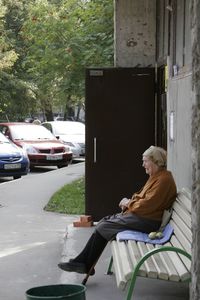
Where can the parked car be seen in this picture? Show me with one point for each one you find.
(72, 133)
(14, 161)
(42, 147)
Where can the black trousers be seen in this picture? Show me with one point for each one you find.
(106, 230)
(92, 250)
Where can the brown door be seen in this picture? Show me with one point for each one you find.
(120, 123)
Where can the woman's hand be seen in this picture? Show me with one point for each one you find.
(123, 204)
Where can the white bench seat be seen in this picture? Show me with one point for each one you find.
(171, 261)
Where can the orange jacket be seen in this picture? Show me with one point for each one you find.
(158, 194)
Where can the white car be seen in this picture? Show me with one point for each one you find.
(72, 133)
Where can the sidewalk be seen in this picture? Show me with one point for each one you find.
(103, 287)
(32, 238)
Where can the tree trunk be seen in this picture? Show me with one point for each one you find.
(48, 111)
(69, 111)
(49, 115)
(195, 24)
(78, 113)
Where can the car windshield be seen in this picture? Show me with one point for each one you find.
(74, 128)
(3, 139)
(31, 133)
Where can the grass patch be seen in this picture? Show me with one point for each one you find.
(70, 199)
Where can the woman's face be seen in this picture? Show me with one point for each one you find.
(149, 166)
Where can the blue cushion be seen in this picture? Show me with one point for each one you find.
(144, 237)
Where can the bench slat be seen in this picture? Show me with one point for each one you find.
(125, 260)
(171, 270)
(184, 196)
(161, 269)
(185, 260)
(149, 264)
(185, 191)
(135, 257)
(182, 227)
(121, 282)
(178, 264)
(182, 214)
(185, 244)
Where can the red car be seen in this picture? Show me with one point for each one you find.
(42, 147)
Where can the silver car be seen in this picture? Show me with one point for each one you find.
(72, 133)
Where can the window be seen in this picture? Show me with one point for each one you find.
(182, 35)
(162, 30)
(173, 37)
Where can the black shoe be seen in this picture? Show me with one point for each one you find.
(72, 266)
(92, 271)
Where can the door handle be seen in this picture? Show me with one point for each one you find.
(95, 149)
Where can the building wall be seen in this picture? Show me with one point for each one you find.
(135, 28)
(143, 39)
(179, 92)
(179, 103)
(177, 22)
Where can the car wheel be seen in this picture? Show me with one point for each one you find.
(62, 166)
(17, 177)
(70, 162)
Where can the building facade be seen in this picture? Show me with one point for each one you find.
(150, 33)
(165, 34)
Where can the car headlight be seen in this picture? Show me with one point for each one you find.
(24, 152)
(68, 149)
(29, 149)
(68, 143)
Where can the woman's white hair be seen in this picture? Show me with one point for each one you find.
(157, 155)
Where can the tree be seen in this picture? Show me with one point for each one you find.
(16, 93)
(7, 56)
(63, 38)
(45, 47)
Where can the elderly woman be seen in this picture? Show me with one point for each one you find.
(143, 212)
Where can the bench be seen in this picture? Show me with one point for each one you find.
(170, 261)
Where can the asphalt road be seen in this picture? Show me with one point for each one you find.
(32, 239)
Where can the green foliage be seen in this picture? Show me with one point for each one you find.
(49, 44)
(15, 97)
(16, 93)
(8, 56)
(63, 41)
